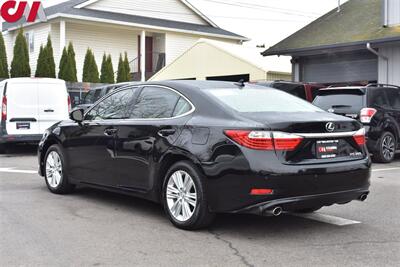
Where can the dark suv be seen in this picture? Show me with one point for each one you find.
(306, 91)
(377, 106)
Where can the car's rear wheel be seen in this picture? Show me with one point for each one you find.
(387, 148)
(184, 197)
(54, 170)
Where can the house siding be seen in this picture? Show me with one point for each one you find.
(393, 12)
(40, 34)
(162, 9)
(389, 71)
(101, 40)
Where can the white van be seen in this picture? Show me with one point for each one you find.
(29, 106)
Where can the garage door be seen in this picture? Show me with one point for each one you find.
(344, 67)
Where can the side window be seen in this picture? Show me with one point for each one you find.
(89, 96)
(116, 106)
(155, 103)
(181, 107)
(378, 98)
(97, 95)
(393, 97)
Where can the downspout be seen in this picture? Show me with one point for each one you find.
(375, 52)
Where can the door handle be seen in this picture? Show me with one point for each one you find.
(166, 132)
(49, 110)
(110, 131)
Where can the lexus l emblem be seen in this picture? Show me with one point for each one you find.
(330, 127)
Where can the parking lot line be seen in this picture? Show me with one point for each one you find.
(326, 218)
(12, 170)
(386, 169)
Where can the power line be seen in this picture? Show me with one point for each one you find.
(257, 7)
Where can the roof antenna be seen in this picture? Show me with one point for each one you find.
(240, 83)
(338, 8)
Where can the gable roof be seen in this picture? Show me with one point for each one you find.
(68, 10)
(358, 22)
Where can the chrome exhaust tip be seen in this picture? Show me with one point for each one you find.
(277, 211)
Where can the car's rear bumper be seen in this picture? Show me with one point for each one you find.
(304, 186)
(25, 138)
(305, 202)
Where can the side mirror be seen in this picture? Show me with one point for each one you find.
(77, 115)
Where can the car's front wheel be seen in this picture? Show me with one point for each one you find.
(387, 148)
(184, 197)
(54, 171)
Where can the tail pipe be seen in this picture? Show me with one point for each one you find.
(363, 197)
(276, 211)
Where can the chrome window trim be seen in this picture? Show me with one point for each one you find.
(193, 108)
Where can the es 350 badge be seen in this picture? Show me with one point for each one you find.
(13, 11)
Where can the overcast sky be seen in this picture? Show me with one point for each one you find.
(263, 21)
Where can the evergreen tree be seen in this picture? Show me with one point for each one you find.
(121, 70)
(127, 68)
(107, 71)
(72, 62)
(41, 67)
(49, 60)
(3, 59)
(90, 70)
(20, 63)
(62, 69)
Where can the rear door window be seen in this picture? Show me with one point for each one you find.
(155, 103)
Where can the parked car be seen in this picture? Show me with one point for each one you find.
(306, 91)
(376, 106)
(29, 107)
(204, 147)
(96, 93)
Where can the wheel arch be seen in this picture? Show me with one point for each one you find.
(43, 150)
(169, 159)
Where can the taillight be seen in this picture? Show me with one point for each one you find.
(359, 137)
(264, 140)
(4, 109)
(69, 104)
(366, 114)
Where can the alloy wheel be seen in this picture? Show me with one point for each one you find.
(53, 169)
(181, 196)
(388, 147)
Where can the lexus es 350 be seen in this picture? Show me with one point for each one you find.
(205, 147)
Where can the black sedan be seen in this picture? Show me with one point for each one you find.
(202, 147)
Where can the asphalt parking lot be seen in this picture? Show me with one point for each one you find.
(95, 228)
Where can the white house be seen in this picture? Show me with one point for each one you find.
(152, 32)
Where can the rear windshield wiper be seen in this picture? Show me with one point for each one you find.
(341, 106)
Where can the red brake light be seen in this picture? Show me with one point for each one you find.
(359, 137)
(366, 114)
(4, 109)
(261, 192)
(264, 140)
(69, 104)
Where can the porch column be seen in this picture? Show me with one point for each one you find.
(143, 56)
(62, 36)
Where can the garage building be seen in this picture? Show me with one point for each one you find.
(356, 43)
(214, 60)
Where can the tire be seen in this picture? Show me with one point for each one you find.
(309, 210)
(3, 149)
(55, 174)
(387, 148)
(198, 216)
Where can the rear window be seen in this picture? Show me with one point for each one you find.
(261, 100)
(340, 99)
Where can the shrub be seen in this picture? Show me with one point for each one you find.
(20, 63)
